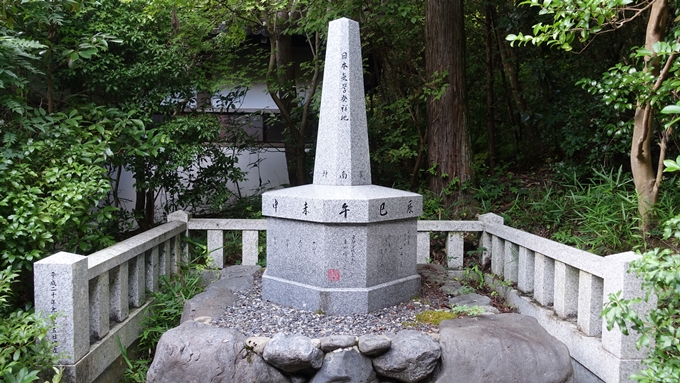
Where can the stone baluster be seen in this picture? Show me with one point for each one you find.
(249, 246)
(136, 280)
(544, 279)
(165, 258)
(590, 299)
(455, 249)
(61, 288)
(179, 254)
(152, 269)
(216, 247)
(565, 290)
(497, 255)
(510, 261)
(525, 270)
(423, 247)
(99, 306)
(119, 298)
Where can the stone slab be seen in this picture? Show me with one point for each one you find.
(342, 204)
(336, 301)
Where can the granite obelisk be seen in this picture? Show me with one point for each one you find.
(341, 245)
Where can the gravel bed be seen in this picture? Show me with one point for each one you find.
(252, 316)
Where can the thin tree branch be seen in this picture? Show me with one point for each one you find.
(662, 157)
(312, 88)
(648, 108)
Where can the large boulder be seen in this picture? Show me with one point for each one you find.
(198, 353)
(346, 366)
(293, 353)
(501, 348)
(412, 357)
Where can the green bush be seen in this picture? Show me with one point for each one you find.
(659, 329)
(25, 350)
(51, 179)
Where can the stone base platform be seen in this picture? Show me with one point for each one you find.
(338, 301)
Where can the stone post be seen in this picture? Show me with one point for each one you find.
(249, 246)
(181, 255)
(590, 293)
(455, 248)
(525, 270)
(61, 288)
(617, 278)
(487, 240)
(216, 247)
(423, 247)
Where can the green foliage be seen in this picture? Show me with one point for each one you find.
(200, 160)
(598, 213)
(51, 177)
(474, 276)
(25, 349)
(396, 105)
(571, 19)
(17, 56)
(658, 329)
(645, 82)
(603, 214)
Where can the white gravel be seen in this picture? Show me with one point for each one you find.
(252, 316)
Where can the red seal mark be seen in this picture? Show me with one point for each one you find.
(333, 275)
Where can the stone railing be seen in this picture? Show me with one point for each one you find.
(562, 287)
(100, 300)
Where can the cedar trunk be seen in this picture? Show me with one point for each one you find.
(490, 99)
(447, 133)
(511, 67)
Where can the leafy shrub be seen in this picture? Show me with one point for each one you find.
(660, 328)
(25, 349)
(51, 179)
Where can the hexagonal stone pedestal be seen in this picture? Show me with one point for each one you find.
(341, 249)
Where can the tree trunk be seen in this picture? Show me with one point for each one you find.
(509, 59)
(644, 175)
(447, 133)
(490, 113)
(282, 88)
(294, 143)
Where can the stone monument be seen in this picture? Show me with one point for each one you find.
(341, 245)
